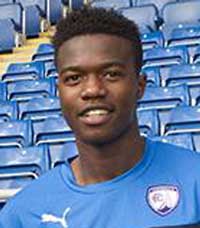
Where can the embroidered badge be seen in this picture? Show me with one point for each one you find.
(49, 218)
(163, 199)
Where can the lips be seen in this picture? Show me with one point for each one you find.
(96, 115)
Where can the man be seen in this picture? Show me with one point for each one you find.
(118, 178)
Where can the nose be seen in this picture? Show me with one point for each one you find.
(93, 88)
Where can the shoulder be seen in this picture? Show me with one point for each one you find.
(175, 156)
(33, 193)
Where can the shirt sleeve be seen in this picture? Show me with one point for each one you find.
(9, 217)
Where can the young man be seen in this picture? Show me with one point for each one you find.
(118, 178)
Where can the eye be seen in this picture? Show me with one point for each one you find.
(72, 79)
(113, 75)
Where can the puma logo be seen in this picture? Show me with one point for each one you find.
(54, 219)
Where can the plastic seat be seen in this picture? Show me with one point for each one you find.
(40, 108)
(43, 56)
(26, 90)
(52, 131)
(188, 35)
(3, 91)
(54, 11)
(164, 97)
(35, 10)
(144, 16)
(8, 36)
(183, 140)
(115, 4)
(8, 110)
(153, 76)
(45, 48)
(14, 12)
(188, 13)
(184, 73)
(181, 120)
(148, 122)
(19, 166)
(166, 56)
(24, 71)
(59, 153)
(152, 40)
(16, 133)
(50, 69)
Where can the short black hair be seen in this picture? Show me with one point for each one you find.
(90, 20)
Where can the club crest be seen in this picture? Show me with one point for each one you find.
(163, 199)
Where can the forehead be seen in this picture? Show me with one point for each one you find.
(93, 49)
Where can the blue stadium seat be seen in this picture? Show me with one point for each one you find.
(59, 153)
(164, 98)
(16, 133)
(46, 56)
(184, 140)
(183, 119)
(19, 166)
(188, 13)
(148, 122)
(35, 10)
(54, 11)
(75, 4)
(8, 110)
(188, 35)
(115, 4)
(24, 71)
(3, 91)
(40, 108)
(45, 48)
(26, 90)
(13, 12)
(166, 56)
(152, 40)
(51, 131)
(144, 16)
(179, 74)
(153, 76)
(8, 36)
(50, 69)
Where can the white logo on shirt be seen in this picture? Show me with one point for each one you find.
(163, 199)
(55, 219)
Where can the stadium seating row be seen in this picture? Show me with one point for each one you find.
(24, 17)
(49, 127)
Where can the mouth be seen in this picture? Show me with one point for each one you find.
(96, 115)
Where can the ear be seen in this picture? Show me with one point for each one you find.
(141, 85)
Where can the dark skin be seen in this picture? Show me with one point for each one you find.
(99, 88)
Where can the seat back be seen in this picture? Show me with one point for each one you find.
(13, 12)
(26, 90)
(40, 108)
(52, 131)
(8, 110)
(15, 133)
(144, 16)
(148, 122)
(166, 56)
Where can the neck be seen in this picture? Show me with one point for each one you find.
(102, 163)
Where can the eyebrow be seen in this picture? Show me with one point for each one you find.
(102, 65)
